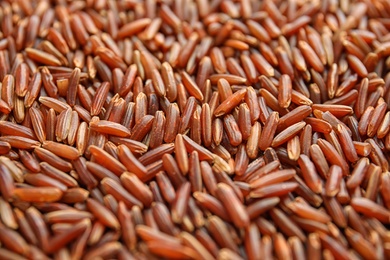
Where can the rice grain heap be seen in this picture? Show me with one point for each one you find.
(194, 129)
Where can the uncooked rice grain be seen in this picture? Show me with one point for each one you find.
(194, 129)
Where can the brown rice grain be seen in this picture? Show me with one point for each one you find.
(238, 213)
(377, 155)
(332, 155)
(172, 169)
(378, 114)
(357, 65)
(278, 189)
(332, 185)
(166, 188)
(373, 182)
(134, 185)
(180, 203)
(22, 79)
(269, 130)
(285, 91)
(8, 90)
(288, 227)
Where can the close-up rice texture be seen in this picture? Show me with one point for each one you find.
(194, 129)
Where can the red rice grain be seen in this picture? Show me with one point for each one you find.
(194, 129)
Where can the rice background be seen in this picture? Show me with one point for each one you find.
(222, 129)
